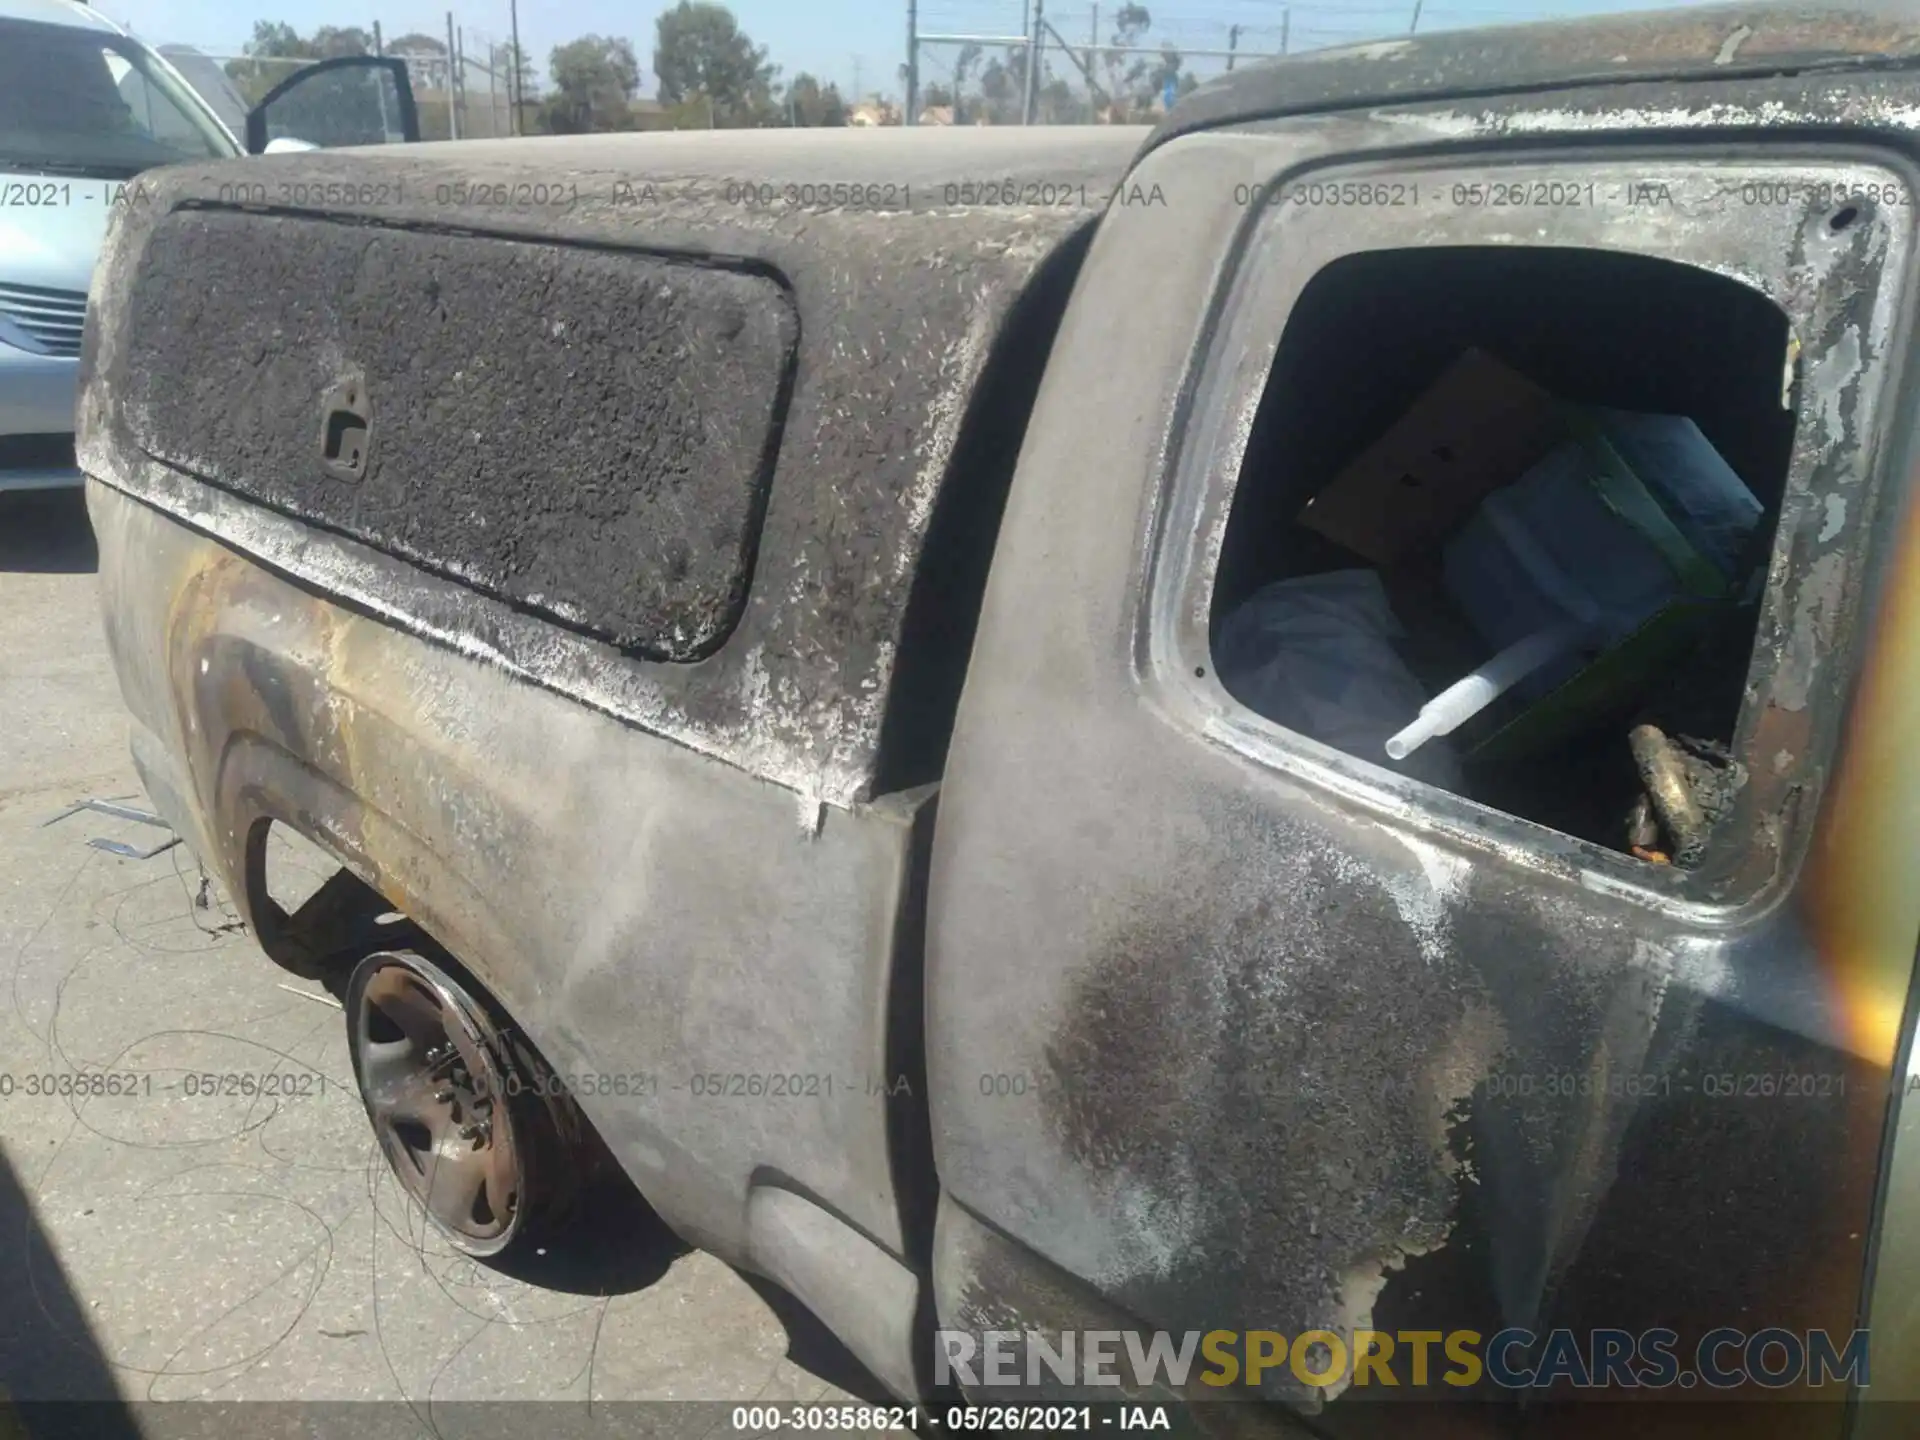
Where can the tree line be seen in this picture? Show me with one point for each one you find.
(709, 73)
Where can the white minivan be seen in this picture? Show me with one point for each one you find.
(84, 108)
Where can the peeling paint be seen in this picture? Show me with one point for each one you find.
(1550, 120)
(1831, 382)
(1425, 903)
(1836, 517)
(812, 814)
(959, 367)
(1812, 622)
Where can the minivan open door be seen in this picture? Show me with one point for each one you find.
(349, 100)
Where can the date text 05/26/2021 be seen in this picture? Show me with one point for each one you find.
(826, 1417)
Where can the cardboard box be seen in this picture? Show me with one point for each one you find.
(1477, 427)
(1598, 519)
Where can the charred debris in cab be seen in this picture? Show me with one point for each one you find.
(1538, 589)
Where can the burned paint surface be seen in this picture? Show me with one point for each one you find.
(641, 911)
(585, 434)
(1388, 1025)
(1727, 41)
(1479, 1074)
(1250, 1111)
(901, 294)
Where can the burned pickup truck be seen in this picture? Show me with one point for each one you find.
(1301, 724)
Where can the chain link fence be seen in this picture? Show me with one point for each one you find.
(462, 84)
(471, 98)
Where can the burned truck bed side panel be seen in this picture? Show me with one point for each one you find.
(664, 860)
(1237, 1033)
(899, 298)
(660, 924)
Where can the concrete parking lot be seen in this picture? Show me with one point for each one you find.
(161, 1245)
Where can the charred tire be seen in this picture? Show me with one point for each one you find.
(475, 1126)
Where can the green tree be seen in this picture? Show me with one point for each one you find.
(334, 40)
(969, 57)
(514, 76)
(1003, 87)
(810, 103)
(594, 80)
(276, 37)
(272, 40)
(1058, 103)
(1003, 94)
(1126, 74)
(427, 68)
(275, 40)
(515, 70)
(701, 53)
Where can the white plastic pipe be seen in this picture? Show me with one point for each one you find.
(1472, 693)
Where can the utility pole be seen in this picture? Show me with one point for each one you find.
(1086, 73)
(513, 85)
(1033, 63)
(1416, 18)
(1286, 20)
(453, 89)
(912, 117)
(1233, 43)
(460, 76)
(376, 39)
(1093, 47)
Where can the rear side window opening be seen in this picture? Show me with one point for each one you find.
(1550, 473)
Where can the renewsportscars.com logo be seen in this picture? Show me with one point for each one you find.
(1772, 1358)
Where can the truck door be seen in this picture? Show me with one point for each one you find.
(1233, 1030)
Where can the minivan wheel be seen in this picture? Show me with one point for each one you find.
(475, 1126)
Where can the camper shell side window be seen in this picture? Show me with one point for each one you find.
(1530, 508)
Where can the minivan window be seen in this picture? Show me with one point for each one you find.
(84, 102)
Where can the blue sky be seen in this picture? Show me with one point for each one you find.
(838, 40)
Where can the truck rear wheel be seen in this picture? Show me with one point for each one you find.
(477, 1129)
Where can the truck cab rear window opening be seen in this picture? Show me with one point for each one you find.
(1503, 525)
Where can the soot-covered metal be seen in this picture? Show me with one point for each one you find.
(1242, 1044)
(1645, 44)
(900, 291)
(585, 433)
